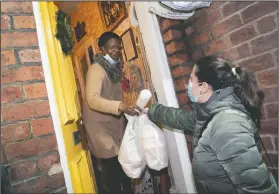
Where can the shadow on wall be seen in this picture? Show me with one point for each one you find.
(5, 180)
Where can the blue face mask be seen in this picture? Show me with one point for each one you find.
(192, 98)
(111, 61)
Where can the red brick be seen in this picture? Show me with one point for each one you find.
(269, 126)
(207, 20)
(46, 162)
(276, 143)
(178, 59)
(63, 191)
(31, 109)
(15, 132)
(16, 7)
(181, 71)
(37, 185)
(243, 34)
(263, 114)
(19, 39)
(186, 107)
(216, 46)
(267, 141)
(23, 170)
(29, 55)
(265, 43)
(3, 159)
(237, 53)
(171, 35)
(226, 26)
(180, 84)
(275, 57)
(8, 58)
(258, 10)
(12, 93)
(167, 23)
(30, 148)
(23, 73)
(182, 98)
(189, 138)
(41, 184)
(213, 6)
(174, 47)
(42, 126)
(24, 22)
(266, 24)
(270, 94)
(271, 110)
(273, 158)
(234, 6)
(268, 78)
(258, 63)
(5, 22)
(197, 54)
(189, 31)
(201, 38)
(56, 181)
(33, 91)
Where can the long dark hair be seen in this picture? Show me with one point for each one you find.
(219, 74)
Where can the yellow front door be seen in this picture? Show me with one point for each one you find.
(81, 171)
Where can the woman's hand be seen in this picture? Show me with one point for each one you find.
(145, 111)
(130, 110)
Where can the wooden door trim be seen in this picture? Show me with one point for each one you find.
(78, 52)
(38, 9)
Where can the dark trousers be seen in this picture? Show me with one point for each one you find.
(110, 177)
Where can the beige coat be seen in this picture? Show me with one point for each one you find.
(103, 122)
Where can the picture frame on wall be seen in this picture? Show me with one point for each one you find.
(113, 13)
(80, 31)
(91, 54)
(129, 46)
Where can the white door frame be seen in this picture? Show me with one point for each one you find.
(161, 78)
(51, 96)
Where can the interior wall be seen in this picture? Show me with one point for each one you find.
(89, 13)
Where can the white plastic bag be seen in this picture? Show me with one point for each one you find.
(130, 154)
(153, 144)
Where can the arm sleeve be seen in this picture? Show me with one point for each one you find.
(238, 154)
(94, 84)
(172, 117)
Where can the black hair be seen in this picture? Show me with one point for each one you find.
(103, 39)
(219, 74)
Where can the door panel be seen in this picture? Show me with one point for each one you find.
(67, 99)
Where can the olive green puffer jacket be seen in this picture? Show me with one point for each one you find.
(226, 158)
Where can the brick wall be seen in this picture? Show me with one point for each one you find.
(29, 146)
(246, 33)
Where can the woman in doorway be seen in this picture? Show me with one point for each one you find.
(102, 116)
(224, 123)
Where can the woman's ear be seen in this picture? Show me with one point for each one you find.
(206, 88)
(103, 50)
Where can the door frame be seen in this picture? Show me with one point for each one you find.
(51, 96)
(163, 84)
(180, 163)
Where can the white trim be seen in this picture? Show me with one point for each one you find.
(51, 96)
(161, 78)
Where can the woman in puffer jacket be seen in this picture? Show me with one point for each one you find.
(224, 123)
